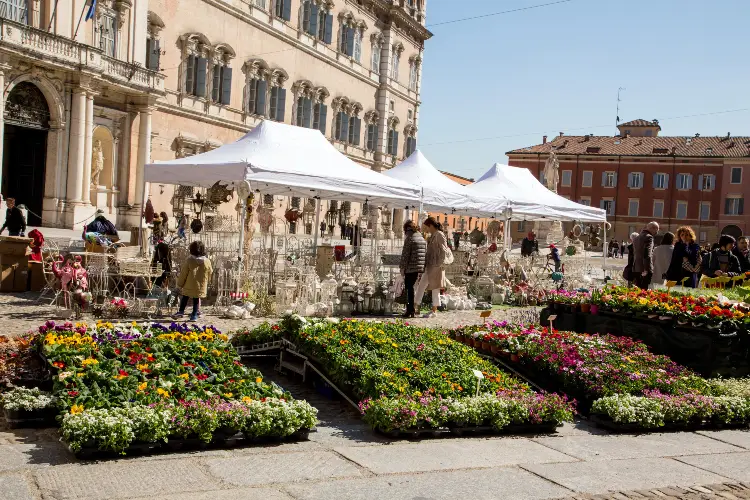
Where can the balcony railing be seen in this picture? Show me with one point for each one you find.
(57, 49)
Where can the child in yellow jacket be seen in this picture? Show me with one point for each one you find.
(193, 281)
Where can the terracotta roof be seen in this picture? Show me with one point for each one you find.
(640, 123)
(701, 147)
(461, 180)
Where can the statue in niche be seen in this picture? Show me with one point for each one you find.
(551, 169)
(97, 162)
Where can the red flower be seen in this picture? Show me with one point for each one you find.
(72, 394)
(123, 373)
(188, 365)
(151, 358)
(58, 364)
(118, 351)
(202, 376)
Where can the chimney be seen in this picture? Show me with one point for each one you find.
(729, 134)
(697, 135)
(544, 139)
(674, 150)
(586, 138)
(627, 135)
(562, 134)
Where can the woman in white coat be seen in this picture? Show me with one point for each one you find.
(433, 277)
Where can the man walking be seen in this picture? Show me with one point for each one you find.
(14, 220)
(643, 256)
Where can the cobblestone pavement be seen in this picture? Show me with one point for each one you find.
(345, 460)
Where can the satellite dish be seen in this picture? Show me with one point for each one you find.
(243, 190)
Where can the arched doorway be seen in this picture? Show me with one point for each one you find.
(25, 148)
(732, 230)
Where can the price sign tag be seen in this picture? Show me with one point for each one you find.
(480, 376)
(485, 314)
(552, 317)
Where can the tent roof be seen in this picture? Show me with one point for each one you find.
(282, 159)
(442, 194)
(530, 199)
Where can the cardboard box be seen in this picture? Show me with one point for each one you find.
(21, 279)
(14, 277)
(14, 245)
(13, 260)
(95, 248)
(7, 278)
(36, 276)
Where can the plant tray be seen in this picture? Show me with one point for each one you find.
(605, 422)
(221, 441)
(18, 419)
(253, 349)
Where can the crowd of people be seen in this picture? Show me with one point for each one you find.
(680, 259)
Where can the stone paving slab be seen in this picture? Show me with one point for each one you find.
(26, 456)
(16, 487)
(734, 466)
(735, 437)
(275, 468)
(237, 494)
(123, 479)
(486, 484)
(453, 454)
(642, 446)
(604, 476)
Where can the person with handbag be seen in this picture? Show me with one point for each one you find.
(412, 263)
(437, 257)
(627, 273)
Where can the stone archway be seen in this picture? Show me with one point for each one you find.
(732, 230)
(27, 120)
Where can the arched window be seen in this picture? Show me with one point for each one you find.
(351, 33)
(398, 48)
(377, 46)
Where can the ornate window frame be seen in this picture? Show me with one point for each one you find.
(317, 94)
(415, 63)
(410, 133)
(372, 121)
(359, 27)
(220, 56)
(376, 56)
(396, 51)
(257, 70)
(192, 44)
(351, 110)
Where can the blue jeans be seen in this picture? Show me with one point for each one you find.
(196, 305)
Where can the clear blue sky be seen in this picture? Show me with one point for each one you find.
(558, 68)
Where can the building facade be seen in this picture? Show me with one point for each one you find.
(638, 176)
(142, 81)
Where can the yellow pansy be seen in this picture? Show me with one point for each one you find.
(75, 409)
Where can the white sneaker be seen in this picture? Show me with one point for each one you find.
(429, 315)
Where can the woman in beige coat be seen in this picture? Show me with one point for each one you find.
(433, 277)
(194, 277)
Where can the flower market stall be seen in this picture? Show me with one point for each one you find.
(615, 380)
(413, 381)
(121, 389)
(708, 333)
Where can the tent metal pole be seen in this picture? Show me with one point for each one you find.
(604, 248)
(375, 248)
(142, 208)
(316, 229)
(241, 257)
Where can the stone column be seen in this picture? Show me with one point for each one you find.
(123, 172)
(87, 146)
(144, 154)
(76, 148)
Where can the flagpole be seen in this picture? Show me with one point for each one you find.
(52, 17)
(80, 18)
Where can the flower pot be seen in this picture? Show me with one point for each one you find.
(514, 358)
(594, 309)
(494, 348)
(485, 346)
(459, 338)
(585, 308)
(477, 343)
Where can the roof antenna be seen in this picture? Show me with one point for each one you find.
(619, 91)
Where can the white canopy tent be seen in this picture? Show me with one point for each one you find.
(285, 160)
(441, 194)
(530, 199)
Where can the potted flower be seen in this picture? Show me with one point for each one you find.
(25, 407)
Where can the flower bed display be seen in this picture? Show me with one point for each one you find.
(704, 311)
(24, 407)
(260, 336)
(411, 379)
(109, 378)
(613, 378)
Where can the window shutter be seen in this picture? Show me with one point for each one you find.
(200, 76)
(148, 52)
(281, 104)
(307, 112)
(328, 29)
(287, 10)
(700, 183)
(370, 138)
(604, 179)
(726, 206)
(226, 85)
(357, 131)
(666, 181)
(741, 209)
(349, 42)
(690, 181)
(612, 208)
(614, 180)
(642, 180)
(216, 83)
(323, 118)
(260, 97)
(337, 126)
(314, 15)
(711, 182)
(656, 180)
(344, 136)
(630, 180)
(190, 75)
(395, 143)
(601, 204)
(154, 53)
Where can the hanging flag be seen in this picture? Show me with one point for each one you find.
(92, 11)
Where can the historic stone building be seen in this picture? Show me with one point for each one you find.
(88, 102)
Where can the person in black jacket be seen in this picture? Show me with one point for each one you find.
(723, 261)
(742, 252)
(412, 263)
(101, 225)
(529, 245)
(14, 220)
